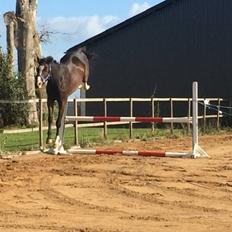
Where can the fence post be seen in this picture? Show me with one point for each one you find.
(218, 114)
(41, 145)
(230, 106)
(189, 115)
(75, 122)
(171, 108)
(105, 114)
(152, 114)
(131, 115)
(204, 117)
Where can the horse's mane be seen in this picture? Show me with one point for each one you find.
(47, 60)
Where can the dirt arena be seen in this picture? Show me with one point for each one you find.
(118, 193)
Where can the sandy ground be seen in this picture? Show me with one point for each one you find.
(117, 193)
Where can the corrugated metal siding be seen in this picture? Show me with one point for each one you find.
(185, 41)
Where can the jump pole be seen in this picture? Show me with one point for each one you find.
(197, 151)
(127, 119)
(130, 153)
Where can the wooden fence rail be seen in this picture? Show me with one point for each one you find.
(152, 101)
(131, 101)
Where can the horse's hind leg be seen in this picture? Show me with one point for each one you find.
(50, 105)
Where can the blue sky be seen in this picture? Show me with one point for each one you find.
(74, 21)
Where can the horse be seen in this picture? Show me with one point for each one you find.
(61, 80)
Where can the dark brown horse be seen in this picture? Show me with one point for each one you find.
(62, 79)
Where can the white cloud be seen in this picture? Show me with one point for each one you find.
(69, 31)
(80, 28)
(137, 8)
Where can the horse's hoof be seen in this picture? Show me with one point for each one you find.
(61, 151)
(49, 141)
(51, 151)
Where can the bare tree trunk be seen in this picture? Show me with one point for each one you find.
(10, 20)
(28, 48)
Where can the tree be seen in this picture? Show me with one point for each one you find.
(10, 20)
(28, 48)
(11, 89)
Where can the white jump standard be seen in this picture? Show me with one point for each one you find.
(197, 151)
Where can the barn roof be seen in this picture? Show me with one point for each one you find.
(122, 25)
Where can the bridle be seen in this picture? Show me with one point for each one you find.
(41, 80)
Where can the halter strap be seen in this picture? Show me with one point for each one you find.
(47, 78)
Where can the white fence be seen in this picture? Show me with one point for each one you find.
(131, 101)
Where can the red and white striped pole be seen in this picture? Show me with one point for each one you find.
(129, 153)
(128, 119)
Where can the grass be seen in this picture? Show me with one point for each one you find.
(30, 140)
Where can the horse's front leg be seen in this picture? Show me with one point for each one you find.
(60, 126)
(50, 105)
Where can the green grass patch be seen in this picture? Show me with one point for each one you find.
(87, 136)
(92, 136)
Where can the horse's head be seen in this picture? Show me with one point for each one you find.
(43, 71)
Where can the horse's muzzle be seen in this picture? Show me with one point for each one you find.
(40, 82)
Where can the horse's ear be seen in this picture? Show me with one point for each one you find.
(49, 59)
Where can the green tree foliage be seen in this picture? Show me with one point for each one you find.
(11, 88)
